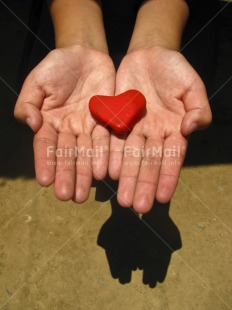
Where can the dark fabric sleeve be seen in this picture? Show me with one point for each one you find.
(202, 6)
(189, 2)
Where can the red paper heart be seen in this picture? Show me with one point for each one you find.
(120, 112)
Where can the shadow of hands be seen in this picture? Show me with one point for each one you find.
(119, 236)
(131, 242)
(159, 238)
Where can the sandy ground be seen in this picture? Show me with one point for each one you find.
(56, 255)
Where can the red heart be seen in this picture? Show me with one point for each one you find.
(120, 112)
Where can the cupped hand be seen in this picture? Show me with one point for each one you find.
(148, 161)
(54, 103)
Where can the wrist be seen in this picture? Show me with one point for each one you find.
(81, 41)
(153, 43)
(78, 22)
(160, 23)
(144, 52)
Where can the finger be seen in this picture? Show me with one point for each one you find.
(100, 159)
(174, 151)
(65, 166)
(196, 104)
(133, 151)
(29, 102)
(45, 142)
(84, 173)
(116, 155)
(117, 142)
(148, 176)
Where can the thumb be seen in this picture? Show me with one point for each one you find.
(198, 113)
(29, 103)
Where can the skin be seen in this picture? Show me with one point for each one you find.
(177, 105)
(54, 103)
(55, 96)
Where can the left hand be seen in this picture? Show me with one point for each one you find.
(177, 105)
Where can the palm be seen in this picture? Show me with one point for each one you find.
(169, 83)
(65, 81)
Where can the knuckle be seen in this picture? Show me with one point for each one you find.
(44, 140)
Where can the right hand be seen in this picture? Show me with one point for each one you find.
(54, 103)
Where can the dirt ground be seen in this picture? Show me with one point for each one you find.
(56, 255)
